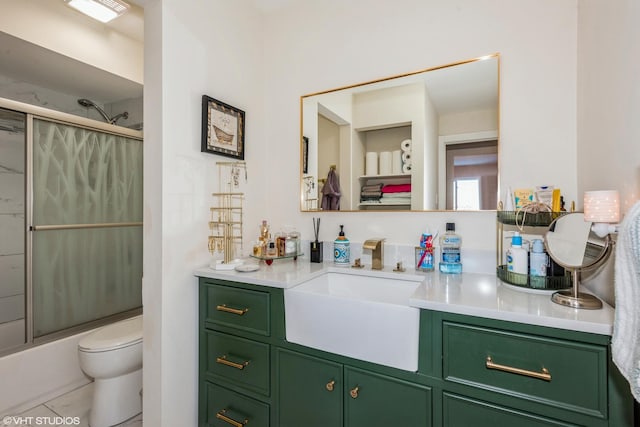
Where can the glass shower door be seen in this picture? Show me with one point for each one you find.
(87, 225)
(12, 229)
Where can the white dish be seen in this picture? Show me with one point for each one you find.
(246, 268)
(221, 265)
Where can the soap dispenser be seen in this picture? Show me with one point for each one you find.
(341, 250)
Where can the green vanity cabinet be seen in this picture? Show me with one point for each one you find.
(314, 392)
(472, 371)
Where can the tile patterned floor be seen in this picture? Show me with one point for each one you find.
(68, 410)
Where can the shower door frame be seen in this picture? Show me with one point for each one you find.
(35, 112)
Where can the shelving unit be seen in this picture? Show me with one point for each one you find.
(529, 224)
(387, 180)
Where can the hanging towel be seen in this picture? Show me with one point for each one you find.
(625, 344)
(331, 192)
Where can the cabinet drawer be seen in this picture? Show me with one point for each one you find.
(225, 407)
(565, 374)
(460, 411)
(238, 308)
(240, 361)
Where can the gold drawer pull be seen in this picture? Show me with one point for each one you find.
(544, 375)
(221, 416)
(330, 385)
(224, 361)
(354, 392)
(226, 309)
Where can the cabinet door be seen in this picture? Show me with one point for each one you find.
(309, 391)
(374, 400)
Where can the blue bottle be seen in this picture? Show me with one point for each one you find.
(450, 245)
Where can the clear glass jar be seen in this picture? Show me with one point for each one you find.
(292, 244)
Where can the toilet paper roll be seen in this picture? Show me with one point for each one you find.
(385, 164)
(406, 157)
(371, 163)
(396, 162)
(405, 145)
(406, 168)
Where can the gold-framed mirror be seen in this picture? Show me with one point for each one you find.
(420, 141)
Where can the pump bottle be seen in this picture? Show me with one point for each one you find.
(341, 250)
(517, 257)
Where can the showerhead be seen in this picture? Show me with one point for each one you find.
(86, 103)
(111, 120)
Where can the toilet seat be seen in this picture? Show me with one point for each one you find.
(112, 337)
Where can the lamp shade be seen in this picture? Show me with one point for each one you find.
(602, 206)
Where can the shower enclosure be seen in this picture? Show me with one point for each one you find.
(70, 224)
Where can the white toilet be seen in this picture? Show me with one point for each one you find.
(112, 355)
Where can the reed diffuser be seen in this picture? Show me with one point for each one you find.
(316, 246)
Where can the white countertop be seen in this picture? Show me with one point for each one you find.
(482, 295)
(485, 295)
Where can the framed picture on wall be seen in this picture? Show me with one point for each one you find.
(222, 129)
(305, 155)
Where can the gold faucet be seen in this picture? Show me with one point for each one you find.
(377, 252)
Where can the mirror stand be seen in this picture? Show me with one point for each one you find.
(573, 297)
(572, 244)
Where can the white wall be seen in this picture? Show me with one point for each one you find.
(608, 108)
(312, 46)
(609, 98)
(193, 48)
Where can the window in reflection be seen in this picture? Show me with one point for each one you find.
(467, 194)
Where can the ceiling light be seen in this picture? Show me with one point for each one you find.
(102, 10)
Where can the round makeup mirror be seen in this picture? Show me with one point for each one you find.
(571, 243)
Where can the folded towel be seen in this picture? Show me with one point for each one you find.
(369, 196)
(396, 188)
(372, 187)
(403, 194)
(625, 345)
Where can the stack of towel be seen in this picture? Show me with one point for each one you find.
(371, 193)
(625, 344)
(397, 194)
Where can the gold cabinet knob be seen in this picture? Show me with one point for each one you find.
(354, 392)
(330, 385)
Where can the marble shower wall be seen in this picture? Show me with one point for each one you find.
(12, 226)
